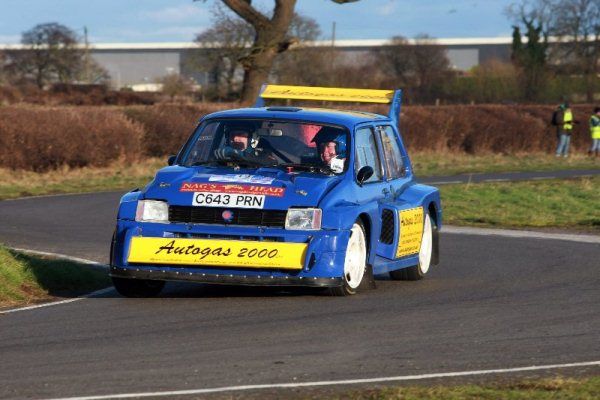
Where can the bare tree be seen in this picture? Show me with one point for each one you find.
(432, 66)
(578, 23)
(224, 44)
(396, 61)
(533, 18)
(3, 71)
(228, 42)
(420, 67)
(175, 85)
(270, 39)
(51, 54)
(531, 57)
(304, 64)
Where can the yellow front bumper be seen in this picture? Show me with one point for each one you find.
(217, 252)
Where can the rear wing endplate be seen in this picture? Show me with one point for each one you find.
(392, 97)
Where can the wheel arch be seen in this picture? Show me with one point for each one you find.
(365, 218)
(434, 214)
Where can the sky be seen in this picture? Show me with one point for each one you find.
(135, 21)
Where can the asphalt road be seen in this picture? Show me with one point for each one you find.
(508, 176)
(494, 302)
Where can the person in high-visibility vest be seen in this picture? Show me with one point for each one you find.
(595, 132)
(565, 128)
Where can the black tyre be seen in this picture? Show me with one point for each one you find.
(357, 273)
(418, 271)
(138, 287)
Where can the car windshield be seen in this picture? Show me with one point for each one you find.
(292, 146)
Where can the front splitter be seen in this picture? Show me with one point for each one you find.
(224, 278)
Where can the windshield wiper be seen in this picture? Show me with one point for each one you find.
(307, 167)
(211, 163)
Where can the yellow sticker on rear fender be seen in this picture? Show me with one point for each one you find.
(411, 231)
(219, 253)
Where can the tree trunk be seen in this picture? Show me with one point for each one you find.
(269, 40)
(256, 72)
(590, 87)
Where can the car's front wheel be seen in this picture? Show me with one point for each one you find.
(356, 271)
(417, 272)
(137, 287)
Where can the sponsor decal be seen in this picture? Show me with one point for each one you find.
(411, 231)
(208, 199)
(232, 189)
(242, 178)
(327, 93)
(213, 252)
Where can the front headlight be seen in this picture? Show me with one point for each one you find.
(152, 211)
(303, 219)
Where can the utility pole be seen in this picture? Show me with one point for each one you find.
(332, 56)
(333, 35)
(86, 60)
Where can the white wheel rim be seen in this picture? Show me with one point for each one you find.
(426, 246)
(356, 257)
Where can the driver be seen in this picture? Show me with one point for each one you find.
(331, 145)
(239, 139)
(241, 143)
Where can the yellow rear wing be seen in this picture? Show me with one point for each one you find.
(392, 97)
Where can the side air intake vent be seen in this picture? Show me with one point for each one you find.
(387, 227)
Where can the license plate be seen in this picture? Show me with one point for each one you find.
(208, 199)
(220, 253)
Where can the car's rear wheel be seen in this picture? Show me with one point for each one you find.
(356, 271)
(417, 272)
(138, 287)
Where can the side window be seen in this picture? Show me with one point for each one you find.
(393, 157)
(366, 153)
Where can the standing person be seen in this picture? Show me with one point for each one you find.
(564, 129)
(595, 132)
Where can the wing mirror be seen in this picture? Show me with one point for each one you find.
(171, 160)
(364, 174)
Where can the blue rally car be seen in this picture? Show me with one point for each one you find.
(282, 196)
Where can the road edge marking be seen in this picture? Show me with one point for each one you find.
(61, 256)
(572, 237)
(43, 196)
(331, 383)
(59, 302)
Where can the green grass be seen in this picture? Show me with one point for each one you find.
(436, 164)
(121, 176)
(566, 203)
(27, 279)
(543, 389)
(118, 176)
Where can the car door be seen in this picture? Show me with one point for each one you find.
(396, 215)
(367, 152)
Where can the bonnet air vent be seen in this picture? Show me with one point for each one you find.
(288, 109)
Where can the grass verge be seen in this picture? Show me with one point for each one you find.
(28, 279)
(124, 176)
(565, 203)
(118, 176)
(436, 164)
(543, 389)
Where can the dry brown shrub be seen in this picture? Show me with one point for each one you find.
(485, 128)
(9, 95)
(77, 95)
(472, 129)
(167, 126)
(45, 138)
(480, 129)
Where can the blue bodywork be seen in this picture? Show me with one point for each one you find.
(341, 198)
